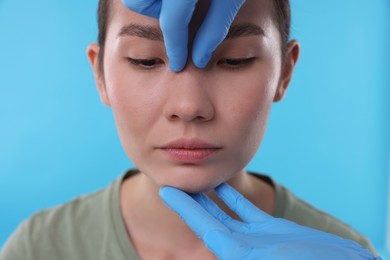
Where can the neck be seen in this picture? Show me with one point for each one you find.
(152, 225)
(153, 219)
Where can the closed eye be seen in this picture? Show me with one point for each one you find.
(145, 63)
(235, 63)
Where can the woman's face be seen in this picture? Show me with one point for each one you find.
(195, 129)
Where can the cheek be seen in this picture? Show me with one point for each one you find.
(249, 106)
(135, 103)
(253, 120)
(130, 92)
(249, 97)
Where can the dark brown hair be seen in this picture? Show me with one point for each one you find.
(103, 20)
(282, 17)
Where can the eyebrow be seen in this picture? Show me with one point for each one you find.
(155, 34)
(245, 29)
(142, 31)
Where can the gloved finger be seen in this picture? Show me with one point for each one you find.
(214, 29)
(175, 17)
(240, 205)
(146, 7)
(225, 246)
(193, 214)
(217, 212)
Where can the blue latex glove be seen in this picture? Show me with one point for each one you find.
(259, 236)
(175, 16)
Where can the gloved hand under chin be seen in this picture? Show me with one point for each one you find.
(259, 236)
(175, 17)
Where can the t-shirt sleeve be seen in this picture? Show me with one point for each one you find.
(17, 246)
(290, 207)
(35, 238)
(81, 229)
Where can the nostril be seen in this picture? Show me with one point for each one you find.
(174, 117)
(200, 118)
(189, 117)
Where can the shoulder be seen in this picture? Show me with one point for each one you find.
(290, 207)
(57, 232)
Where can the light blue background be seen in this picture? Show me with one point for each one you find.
(328, 141)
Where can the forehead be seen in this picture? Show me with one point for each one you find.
(259, 12)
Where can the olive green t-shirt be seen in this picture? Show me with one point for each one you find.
(91, 227)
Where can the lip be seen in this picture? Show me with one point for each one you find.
(189, 150)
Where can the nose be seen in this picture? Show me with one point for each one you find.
(189, 98)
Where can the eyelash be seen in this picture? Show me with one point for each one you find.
(234, 64)
(231, 64)
(146, 64)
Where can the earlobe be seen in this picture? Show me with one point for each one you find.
(288, 67)
(93, 56)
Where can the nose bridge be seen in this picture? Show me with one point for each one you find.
(189, 97)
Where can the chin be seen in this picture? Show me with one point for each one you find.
(191, 180)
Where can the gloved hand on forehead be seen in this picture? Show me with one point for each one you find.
(259, 235)
(175, 16)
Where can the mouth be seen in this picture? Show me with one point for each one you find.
(190, 151)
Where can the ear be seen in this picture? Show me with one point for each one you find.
(93, 56)
(290, 60)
